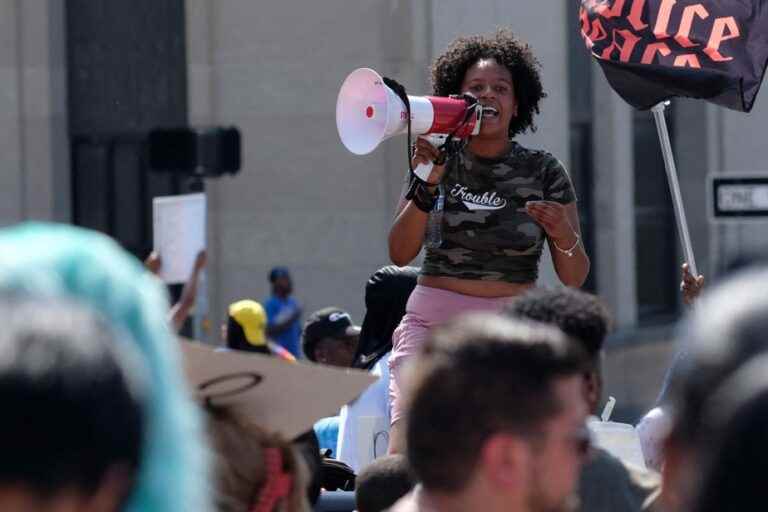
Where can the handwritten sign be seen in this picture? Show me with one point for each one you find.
(179, 234)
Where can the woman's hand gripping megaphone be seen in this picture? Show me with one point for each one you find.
(428, 161)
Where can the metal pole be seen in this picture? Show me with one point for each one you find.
(674, 185)
(201, 309)
(201, 300)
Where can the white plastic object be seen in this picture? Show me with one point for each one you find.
(422, 171)
(608, 410)
(619, 439)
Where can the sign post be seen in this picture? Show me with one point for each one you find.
(739, 197)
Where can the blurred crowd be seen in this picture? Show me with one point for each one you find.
(503, 410)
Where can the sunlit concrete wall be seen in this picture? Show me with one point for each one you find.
(302, 200)
(34, 155)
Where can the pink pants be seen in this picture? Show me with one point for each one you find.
(427, 308)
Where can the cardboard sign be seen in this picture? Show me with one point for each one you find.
(179, 234)
(279, 396)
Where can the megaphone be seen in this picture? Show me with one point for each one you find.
(368, 112)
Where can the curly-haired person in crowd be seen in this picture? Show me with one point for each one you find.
(605, 483)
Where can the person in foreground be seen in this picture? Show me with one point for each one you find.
(733, 469)
(63, 262)
(66, 384)
(723, 334)
(501, 202)
(496, 418)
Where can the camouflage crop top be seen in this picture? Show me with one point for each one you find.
(487, 235)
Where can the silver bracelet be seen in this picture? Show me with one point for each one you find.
(569, 252)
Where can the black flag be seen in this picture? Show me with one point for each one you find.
(652, 50)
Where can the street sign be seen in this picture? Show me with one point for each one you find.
(740, 197)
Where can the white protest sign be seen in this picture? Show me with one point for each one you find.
(179, 234)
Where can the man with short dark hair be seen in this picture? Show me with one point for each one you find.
(496, 419)
(330, 337)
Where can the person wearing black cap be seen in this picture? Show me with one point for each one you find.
(283, 312)
(330, 337)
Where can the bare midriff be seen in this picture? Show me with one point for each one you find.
(474, 288)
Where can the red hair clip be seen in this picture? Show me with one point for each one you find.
(277, 485)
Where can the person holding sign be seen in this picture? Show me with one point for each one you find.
(501, 202)
(180, 311)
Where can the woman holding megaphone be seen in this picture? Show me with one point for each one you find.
(500, 201)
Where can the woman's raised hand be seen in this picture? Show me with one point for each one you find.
(552, 217)
(690, 286)
(425, 153)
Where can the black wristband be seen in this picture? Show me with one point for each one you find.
(421, 196)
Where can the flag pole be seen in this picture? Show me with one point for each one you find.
(674, 185)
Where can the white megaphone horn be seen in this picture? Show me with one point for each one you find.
(368, 112)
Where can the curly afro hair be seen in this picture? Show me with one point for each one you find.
(448, 71)
(580, 315)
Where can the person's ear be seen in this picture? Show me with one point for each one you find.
(505, 460)
(592, 389)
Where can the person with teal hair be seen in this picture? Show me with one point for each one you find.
(49, 261)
